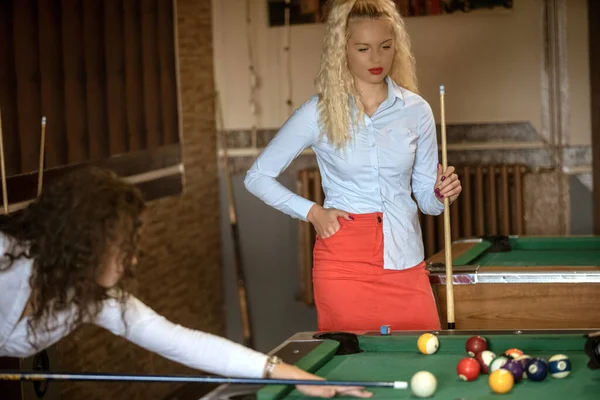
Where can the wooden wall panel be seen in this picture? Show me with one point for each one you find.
(133, 69)
(95, 79)
(73, 64)
(166, 55)
(115, 75)
(8, 93)
(101, 72)
(26, 64)
(151, 72)
(52, 82)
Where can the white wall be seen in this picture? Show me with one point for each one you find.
(489, 61)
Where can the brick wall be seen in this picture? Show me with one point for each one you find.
(180, 274)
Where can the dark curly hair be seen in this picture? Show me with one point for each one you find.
(78, 221)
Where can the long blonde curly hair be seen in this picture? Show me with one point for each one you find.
(335, 84)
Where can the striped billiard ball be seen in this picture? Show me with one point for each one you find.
(559, 366)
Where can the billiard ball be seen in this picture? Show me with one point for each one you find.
(537, 369)
(524, 360)
(423, 384)
(513, 353)
(515, 368)
(385, 330)
(498, 363)
(501, 381)
(485, 358)
(468, 369)
(428, 343)
(559, 366)
(475, 344)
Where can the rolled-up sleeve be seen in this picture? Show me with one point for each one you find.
(298, 133)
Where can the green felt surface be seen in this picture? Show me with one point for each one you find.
(536, 251)
(396, 358)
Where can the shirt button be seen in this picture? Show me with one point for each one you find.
(390, 130)
(372, 144)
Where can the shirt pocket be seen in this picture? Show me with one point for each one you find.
(347, 164)
(400, 149)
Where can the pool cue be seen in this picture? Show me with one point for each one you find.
(447, 235)
(239, 269)
(239, 266)
(36, 376)
(3, 169)
(592, 335)
(42, 149)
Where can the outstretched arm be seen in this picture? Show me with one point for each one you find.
(200, 350)
(195, 349)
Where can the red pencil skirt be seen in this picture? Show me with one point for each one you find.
(353, 292)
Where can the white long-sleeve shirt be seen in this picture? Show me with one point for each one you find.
(147, 329)
(392, 156)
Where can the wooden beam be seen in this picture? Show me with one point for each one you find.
(22, 188)
(594, 44)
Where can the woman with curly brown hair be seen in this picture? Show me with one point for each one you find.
(63, 262)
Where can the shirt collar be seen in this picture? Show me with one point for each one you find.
(394, 91)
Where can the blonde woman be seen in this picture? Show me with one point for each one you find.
(375, 143)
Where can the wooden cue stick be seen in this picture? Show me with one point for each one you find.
(447, 235)
(85, 376)
(4, 190)
(239, 267)
(42, 149)
(240, 275)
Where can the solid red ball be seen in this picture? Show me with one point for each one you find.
(468, 369)
(475, 345)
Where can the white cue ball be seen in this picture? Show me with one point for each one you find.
(423, 384)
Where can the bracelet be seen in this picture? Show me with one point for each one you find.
(272, 361)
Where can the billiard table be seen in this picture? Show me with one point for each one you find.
(521, 282)
(395, 357)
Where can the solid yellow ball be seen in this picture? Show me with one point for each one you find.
(501, 381)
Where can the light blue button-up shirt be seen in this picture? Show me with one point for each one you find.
(393, 155)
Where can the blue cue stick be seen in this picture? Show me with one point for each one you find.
(35, 376)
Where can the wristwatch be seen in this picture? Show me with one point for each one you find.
(272, 361)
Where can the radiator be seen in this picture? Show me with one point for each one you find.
(491, 203)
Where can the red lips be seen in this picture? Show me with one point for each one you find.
(376, 71)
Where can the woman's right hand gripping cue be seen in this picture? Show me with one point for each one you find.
(325, 220)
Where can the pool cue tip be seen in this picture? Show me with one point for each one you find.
(400, 385)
